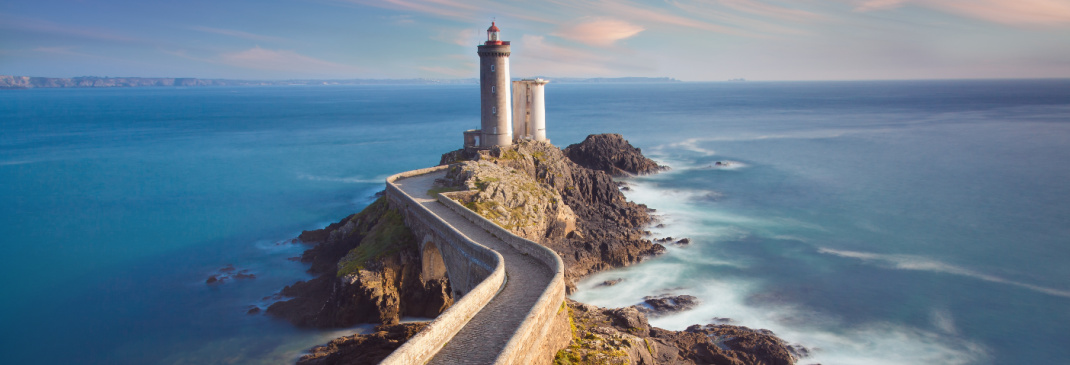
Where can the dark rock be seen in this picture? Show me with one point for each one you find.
(362, 349)
(213, 280)
(656, 306)
(612, 154)
(684, 241)
(625, 335)
(253, 310)
(722, 320)
(611, 282)
(660, 225)
(244, 274)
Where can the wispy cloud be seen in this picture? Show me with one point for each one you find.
(286, 60)
(645, 14)
(1011, 12)
(598, 31)
(771, 11)
(541, 57)
(238, 34)
(462, 37)
(25, 24)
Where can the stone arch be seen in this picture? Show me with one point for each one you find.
(433, 266)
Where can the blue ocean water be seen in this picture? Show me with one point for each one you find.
(872, 222)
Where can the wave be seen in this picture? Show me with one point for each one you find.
(920, 263)
(730, 300)
(16, 162)
(683, 270)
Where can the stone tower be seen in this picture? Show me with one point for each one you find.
(529, 110)
(494, 92)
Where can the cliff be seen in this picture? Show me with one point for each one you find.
(368, 272)
(535, 191)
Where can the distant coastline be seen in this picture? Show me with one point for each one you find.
(28, 82)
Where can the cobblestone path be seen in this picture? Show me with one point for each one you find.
(484, 337)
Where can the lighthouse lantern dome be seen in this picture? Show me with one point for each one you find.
(492, 33)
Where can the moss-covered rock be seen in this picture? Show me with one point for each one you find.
(369, 271)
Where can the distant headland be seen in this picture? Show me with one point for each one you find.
(28, 82)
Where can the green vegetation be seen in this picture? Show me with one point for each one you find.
(388, 236)
(485, 209)
(443, 189)
(590, 348)
(510, 155)
(482, 183)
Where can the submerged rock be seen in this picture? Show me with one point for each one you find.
(657, 306)
(611, 282)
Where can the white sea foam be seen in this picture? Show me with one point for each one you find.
(942, 320)
(692, 145)
(920, 263)
(688, 213)
(829, 340)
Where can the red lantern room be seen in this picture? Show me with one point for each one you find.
(492, 35)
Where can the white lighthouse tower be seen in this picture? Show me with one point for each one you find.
(529, 110)
(496, 116)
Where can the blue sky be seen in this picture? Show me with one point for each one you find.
(692, 40)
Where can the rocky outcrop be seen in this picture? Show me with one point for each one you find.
(369, 269)
(657, 306)
(613, 154)
(522, 186)
(362, 349)
(368, 272)
(623, 336)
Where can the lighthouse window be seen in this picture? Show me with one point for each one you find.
(494, 110)
(492, 89)
(491, 68)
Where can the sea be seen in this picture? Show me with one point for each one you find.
(871, 222)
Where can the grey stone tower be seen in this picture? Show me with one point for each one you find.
(495, 89)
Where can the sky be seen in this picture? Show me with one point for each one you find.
(690, 40)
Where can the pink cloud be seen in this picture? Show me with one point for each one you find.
(597, 31)
(1012, 12)
(772, 11)
(541, 57)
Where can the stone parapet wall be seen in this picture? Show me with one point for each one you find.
(424, 345)
(545, 330)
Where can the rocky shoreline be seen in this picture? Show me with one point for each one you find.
(368, 269)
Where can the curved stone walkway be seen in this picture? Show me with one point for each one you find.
(484, 337)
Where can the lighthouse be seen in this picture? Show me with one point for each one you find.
(496, 115)
(510, 111)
